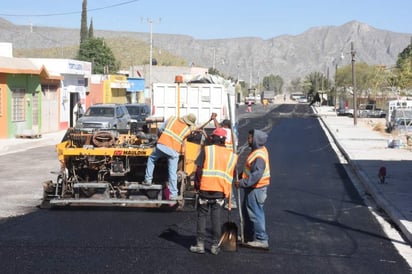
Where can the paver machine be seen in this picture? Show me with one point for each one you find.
(107, 167)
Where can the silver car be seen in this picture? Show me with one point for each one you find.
(104, 116)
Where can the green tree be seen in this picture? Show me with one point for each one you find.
(371, 80)
(94, 50)
(315, 82)
(91, 29)
(83, 25)
(404, 67)
(273, 82)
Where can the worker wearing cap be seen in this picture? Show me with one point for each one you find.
(213, 180)
(172, 133)
(226, 125)
(230, 144)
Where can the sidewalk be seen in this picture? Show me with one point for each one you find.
(20, 144)
(366, 150)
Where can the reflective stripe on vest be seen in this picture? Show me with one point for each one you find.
(174, 133)
(218, 169)
(264, 155)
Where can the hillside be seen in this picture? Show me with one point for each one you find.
(317, 49)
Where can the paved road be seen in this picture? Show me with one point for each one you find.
(316, 220)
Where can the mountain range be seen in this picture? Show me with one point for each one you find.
(318, 49)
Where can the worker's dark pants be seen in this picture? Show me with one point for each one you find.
(206, 208)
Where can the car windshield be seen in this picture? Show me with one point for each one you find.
(100, 112)
(133, 110)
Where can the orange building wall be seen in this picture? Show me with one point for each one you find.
(3, 106)
(95, 95)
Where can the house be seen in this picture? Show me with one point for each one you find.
(74, 86)
(21, 97)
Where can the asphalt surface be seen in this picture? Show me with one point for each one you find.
(325, 226)
(365, 149)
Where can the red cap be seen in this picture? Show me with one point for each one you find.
(219, 132)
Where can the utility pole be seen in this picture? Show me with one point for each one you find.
(355, 108)
(150, 59)
(214, 58)
(149, 85)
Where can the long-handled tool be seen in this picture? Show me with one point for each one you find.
(239, 205)
(228, 239)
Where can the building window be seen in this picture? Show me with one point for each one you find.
(18, 104)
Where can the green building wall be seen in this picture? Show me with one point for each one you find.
(31, 83)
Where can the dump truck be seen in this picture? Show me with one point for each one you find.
(201, 99)
(106, 167)
(269, 95)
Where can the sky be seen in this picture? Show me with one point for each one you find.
(212, 19)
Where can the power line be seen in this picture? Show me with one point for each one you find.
(67, 13)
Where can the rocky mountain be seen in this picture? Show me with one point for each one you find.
(249, 58)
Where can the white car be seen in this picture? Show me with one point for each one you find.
(302, 99)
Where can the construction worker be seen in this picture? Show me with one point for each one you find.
(213, 180)
(230, 144)
(265, 103)
(172, 133)
(255, 180)
(78, 112)
(226, 125)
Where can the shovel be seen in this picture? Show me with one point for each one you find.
(228, 239)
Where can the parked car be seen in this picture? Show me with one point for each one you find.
(302, 99)
(139, 113)
(370, 111)
(345, 112)
(104, 116)
(401, 119)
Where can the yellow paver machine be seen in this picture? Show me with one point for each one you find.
(107, 168)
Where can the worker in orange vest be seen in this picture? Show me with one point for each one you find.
(213, 180)
(255, 180)
(172, 133)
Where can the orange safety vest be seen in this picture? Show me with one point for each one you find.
(174, 133)
(263, 154)
(217, 172)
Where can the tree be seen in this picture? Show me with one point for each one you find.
(94, 50)
(371, 80)
(404, 67)
(273, 82)
(91, 29)
(315, 82)
(83, 25)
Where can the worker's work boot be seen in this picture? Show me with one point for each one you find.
(198, 248)
(215, 249)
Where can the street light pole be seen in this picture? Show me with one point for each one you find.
(149, 84)
(150, 59)
(355, 109)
